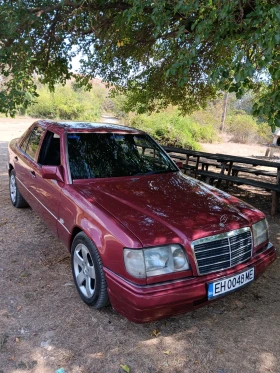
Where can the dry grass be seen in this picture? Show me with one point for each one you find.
(44, 325)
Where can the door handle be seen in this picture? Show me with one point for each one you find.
(16, 158)
(33, 174)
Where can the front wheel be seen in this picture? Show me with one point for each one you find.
(16, 198)
(88, 273)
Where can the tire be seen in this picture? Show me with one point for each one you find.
(87, 270)
(16, 198)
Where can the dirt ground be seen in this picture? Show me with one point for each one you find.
(45, 326)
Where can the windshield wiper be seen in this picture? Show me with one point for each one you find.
(154, 172)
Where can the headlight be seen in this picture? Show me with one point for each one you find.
(260, 232)
(155, 261)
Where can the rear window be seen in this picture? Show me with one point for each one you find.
(31, 143)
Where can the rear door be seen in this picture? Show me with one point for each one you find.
(25, 161)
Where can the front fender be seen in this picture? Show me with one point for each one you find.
(77, 213)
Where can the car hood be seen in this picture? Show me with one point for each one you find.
(168, 208)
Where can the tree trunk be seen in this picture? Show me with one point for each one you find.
(224, 111)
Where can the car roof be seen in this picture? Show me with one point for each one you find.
(86, 127)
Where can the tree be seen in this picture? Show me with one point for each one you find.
(158, 52)
(225, 100)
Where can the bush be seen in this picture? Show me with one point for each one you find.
(171, 129)
(67, 103)
(115, 103)
(246, 130)
(264, 133)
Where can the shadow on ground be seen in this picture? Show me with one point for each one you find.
(45, 326)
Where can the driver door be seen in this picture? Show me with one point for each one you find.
(47, 192)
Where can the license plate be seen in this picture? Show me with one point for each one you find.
(229, 284)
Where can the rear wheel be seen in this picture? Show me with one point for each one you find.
(16, 198)
(88, 273)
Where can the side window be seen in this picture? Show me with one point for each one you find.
(50, 150)
(25, 136)
(33, 141)
(150, 154)
(24, 143)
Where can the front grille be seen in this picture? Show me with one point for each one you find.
(222, 251)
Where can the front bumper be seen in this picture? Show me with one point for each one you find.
(142, 304)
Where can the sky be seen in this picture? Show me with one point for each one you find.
(76, 63)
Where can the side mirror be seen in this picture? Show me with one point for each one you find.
(179, 164)
(53, 173)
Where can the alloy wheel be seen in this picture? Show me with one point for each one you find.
(84, 270)
(13, 188)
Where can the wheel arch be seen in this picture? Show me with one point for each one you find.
(74, 233)
(90, 231)
(10, 168)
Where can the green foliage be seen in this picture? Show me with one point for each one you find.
(118, 103)
(244, 103)
(264, 133)
(69, 103)
(157, 52)
(171, 129)
(244, 129)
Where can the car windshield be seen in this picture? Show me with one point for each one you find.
(99, 155)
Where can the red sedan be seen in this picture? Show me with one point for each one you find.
(142, 236)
